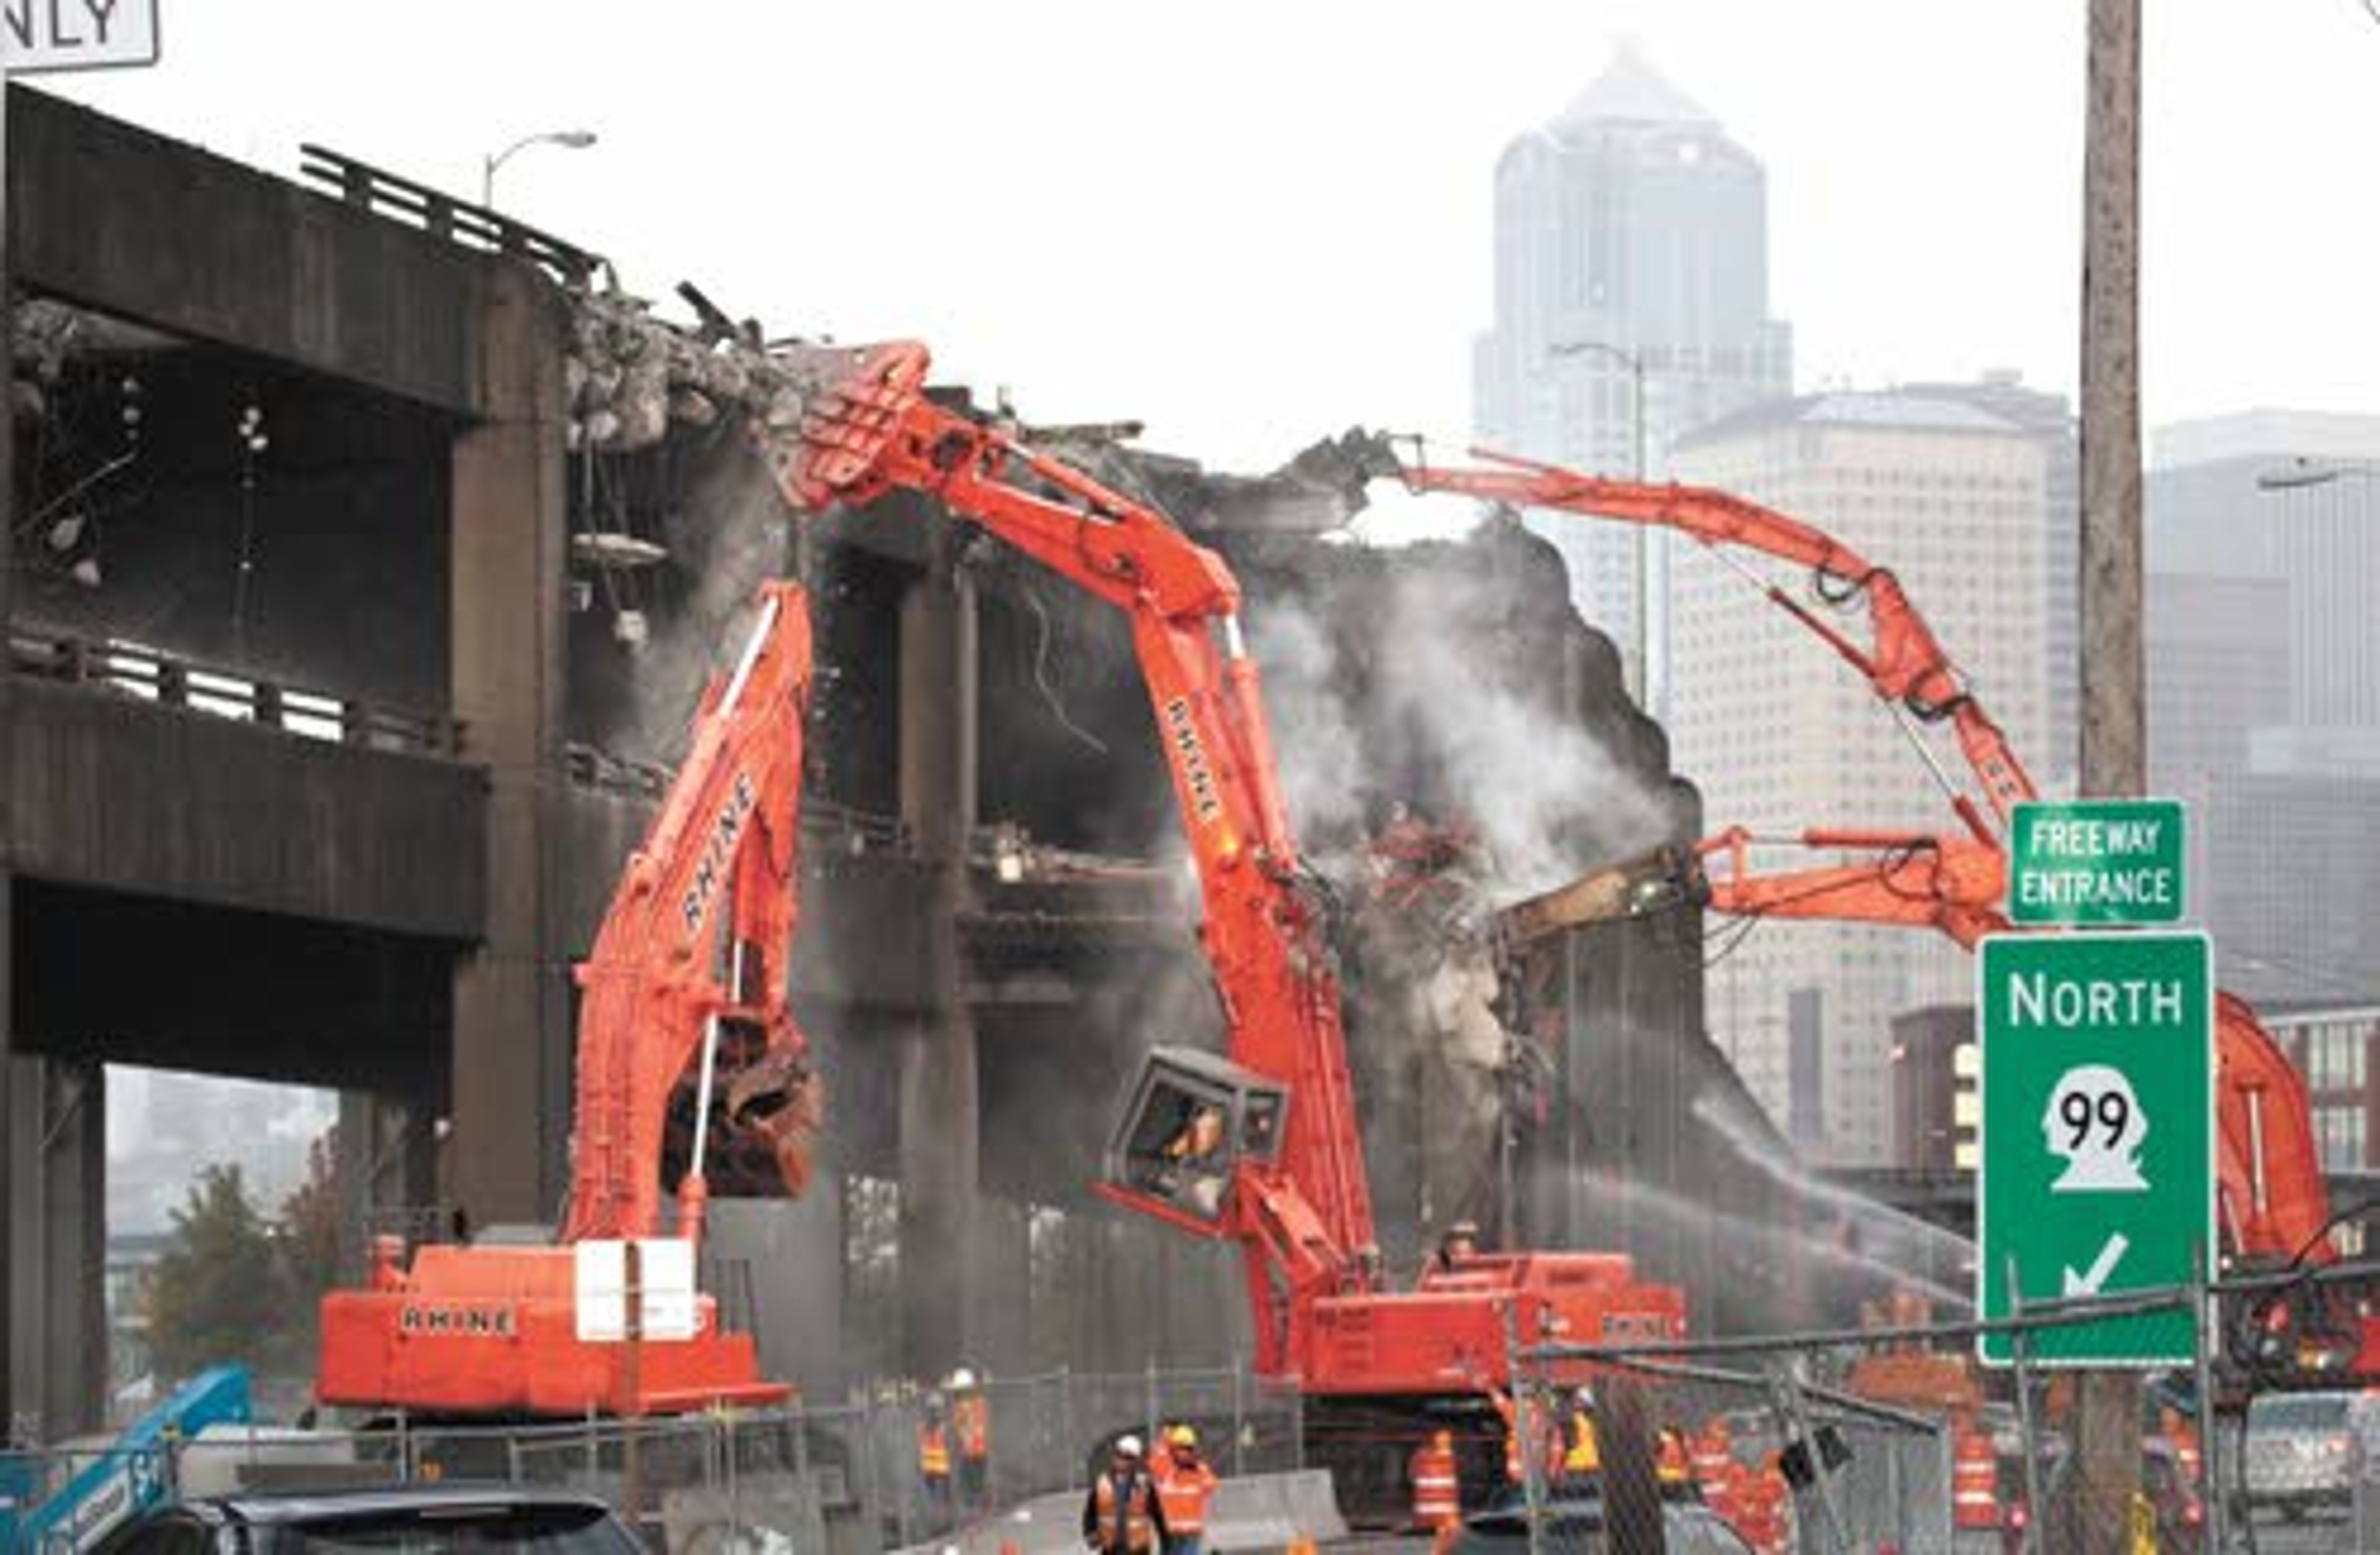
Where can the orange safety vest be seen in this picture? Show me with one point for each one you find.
(2185, 1453)
(1518, 1424)
(1437, 1486)
(1729, 1494)
(1184, 1491)
(933, 1451)
(1139, 1534)
(1975, 1482)
(1714, 1455)
(972, 1417)
(1761, 1517)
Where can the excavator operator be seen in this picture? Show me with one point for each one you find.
(1193, 1168)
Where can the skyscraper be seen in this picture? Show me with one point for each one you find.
(1781, 736)
(1632, 260)
(2264, 689)
(2048, 417)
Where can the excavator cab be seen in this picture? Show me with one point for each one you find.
(1191, 1119)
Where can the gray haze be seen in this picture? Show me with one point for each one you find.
(1242, 222)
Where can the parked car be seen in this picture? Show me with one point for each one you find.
(413, 1518)
(2180, 1515)
(2302, 1450)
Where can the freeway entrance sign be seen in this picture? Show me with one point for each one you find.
(2097, 1171)
(2095, 861)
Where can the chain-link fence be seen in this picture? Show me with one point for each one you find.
(1895, 1441)
(850, 1478)
(1647, 1454)
(1888, 1440)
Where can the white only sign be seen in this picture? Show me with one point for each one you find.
(43, 35)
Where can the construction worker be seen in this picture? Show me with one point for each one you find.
(1674, 1464)
(1198, 1139)
(934, 1462)
(1459, 1242)
(1184, 1485)
(1765, 1520)
(1581, 1452)
(1121, 1512)
(2184, 1437)
(1523, 1433)
(1715, 1466)
(971, 1423)
(1436, 1485)
(1194, 1166)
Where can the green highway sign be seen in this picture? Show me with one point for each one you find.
(2095, 861)
(2098, 1172)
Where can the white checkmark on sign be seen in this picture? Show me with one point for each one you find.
(2101, 1267)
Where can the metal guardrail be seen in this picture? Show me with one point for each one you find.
(171, 681)
(839, 828)
(442, 216)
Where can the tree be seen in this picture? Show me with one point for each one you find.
(309, 1227)
(219, 1292)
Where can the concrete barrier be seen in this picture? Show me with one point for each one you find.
(1257, 1512)
(1267, 1511)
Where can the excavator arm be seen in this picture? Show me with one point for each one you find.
(1901, 659)
(686, 988)
(692, 953)
(2274, 1204)
(1301, 1208)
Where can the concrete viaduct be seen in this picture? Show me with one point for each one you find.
(385, 896)
(393, 911)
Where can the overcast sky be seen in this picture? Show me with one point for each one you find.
(1251, 224)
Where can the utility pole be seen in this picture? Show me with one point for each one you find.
(2114, 734)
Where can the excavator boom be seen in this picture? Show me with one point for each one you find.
(2274, 1204)
(697, 941)
(686, 987)
(1306, 1211)
(1260, 1144)
(1901, 659)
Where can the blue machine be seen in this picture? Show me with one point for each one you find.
(131, 1476)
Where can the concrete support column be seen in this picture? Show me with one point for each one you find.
(14, 1405)
(940, 1115)
(787, 1257)
(1002, 1329)
(54, 1138)
(385, 1170)
(507, 1158)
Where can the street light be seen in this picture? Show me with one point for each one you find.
(574, 140)
(1634, 362)
(2301, 472)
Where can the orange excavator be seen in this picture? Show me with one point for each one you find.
(1259, 1144)
(686, 990)
(2274, 1205)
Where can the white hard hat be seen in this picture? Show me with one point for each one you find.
(1127, 1446)
(963, 1378)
